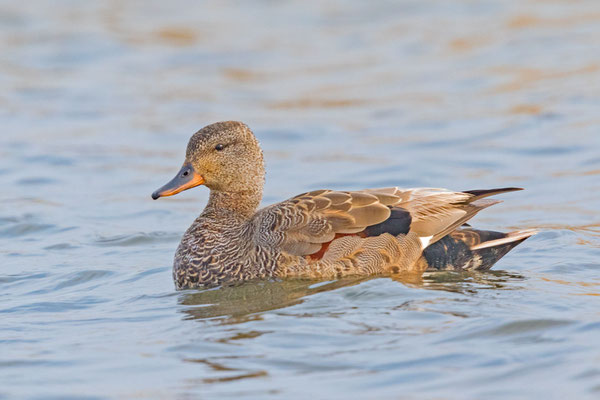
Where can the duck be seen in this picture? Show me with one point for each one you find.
(320, 234)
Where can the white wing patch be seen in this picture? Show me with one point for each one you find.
(425, 240)
(511, 237)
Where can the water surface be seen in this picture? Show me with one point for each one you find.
(98, 100)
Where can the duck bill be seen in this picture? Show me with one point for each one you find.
(185, 179)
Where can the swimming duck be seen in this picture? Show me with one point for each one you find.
(322, 233)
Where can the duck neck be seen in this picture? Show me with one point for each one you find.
(242, 204)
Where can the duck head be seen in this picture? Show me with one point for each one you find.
(224, 156)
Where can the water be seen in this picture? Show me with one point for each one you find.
(98, 100)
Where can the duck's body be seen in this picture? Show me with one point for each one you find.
(320, 234)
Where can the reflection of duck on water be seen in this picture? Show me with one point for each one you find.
(322, 234)
(240, 303)
(257, 296)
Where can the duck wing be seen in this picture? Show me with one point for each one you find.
(305, 223)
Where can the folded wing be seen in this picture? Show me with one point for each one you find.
(304, 223)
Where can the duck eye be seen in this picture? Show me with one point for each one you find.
(186, 172)
(219, 147)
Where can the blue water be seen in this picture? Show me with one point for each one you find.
(99, 99)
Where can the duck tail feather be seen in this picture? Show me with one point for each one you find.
(481, 193)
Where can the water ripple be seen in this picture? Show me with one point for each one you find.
(79, 278)
(137, 239)
(516, 328)
(55, 306)
(25, 228)
(22, 277)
